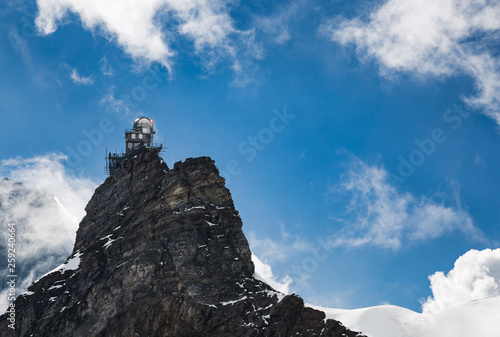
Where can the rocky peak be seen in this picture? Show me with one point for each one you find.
(161, 253)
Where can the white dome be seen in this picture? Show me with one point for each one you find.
(143, 122)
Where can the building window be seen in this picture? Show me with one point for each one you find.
(130, 145)
(133, 136)
(140, 136)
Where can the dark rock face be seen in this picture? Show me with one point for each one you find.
(161, 253)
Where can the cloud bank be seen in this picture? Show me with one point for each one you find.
(46, 203)
(475, 275)
(146, 30)
(47, 173)
(379, 215)
(431, 38)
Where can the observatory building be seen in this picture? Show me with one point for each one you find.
(141, 136)
(137, 140)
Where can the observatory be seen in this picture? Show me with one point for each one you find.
(141, 136)
(137, 140)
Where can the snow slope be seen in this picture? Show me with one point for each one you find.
(479, 318)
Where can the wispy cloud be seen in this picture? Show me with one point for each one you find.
(431, 38)
(278, 25)
(115, 105)
(105, 66)
(20, 46)
(78, 79)
(146, 30)
(475, 275)
(379, 215)
(278, 250)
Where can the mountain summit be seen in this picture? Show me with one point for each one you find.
(161, 253)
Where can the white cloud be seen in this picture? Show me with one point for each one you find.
(207, 23)
(46, 208)
(278, 250)
(78, 79)
(475, 275)
(379, 215)
(435, 38)
(265, 274)
(146, 29)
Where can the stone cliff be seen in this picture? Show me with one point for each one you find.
(161, 253)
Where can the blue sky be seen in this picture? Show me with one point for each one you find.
(358, 138)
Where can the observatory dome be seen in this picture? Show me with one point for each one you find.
(143, 122)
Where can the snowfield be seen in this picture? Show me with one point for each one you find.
(479, 318)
